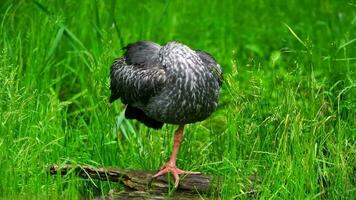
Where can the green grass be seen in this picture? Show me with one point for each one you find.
(287, 111)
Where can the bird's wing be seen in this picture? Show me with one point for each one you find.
(138, 75)
(212, 65)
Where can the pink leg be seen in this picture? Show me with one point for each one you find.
(170, 166)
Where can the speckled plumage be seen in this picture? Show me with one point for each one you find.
(170, 84)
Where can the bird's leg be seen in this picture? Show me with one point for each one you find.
(170, 166)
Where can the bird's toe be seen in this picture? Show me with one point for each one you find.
(174, 171)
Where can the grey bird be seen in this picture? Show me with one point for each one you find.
(171, 84)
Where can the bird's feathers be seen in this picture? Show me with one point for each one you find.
(170, 84)
(135, 113)
(137, 75)
(142, 53)
(212, 65)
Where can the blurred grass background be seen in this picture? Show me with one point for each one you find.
(287, 111)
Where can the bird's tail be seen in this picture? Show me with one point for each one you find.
(139, 115)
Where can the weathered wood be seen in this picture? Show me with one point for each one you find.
(124, 195)
(141, 185)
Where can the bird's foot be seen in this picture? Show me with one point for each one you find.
(170, 167)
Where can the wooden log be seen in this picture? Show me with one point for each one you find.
(124, 195)
(141, 185)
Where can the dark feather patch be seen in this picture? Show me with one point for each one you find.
(141, 53)
(138, 75)
(139, 115)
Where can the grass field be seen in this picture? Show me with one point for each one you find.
(287, 111)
